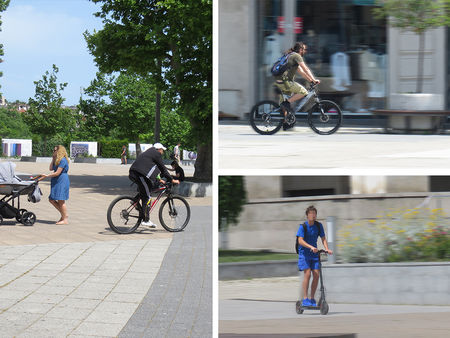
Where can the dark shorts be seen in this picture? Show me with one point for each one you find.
(308, 262)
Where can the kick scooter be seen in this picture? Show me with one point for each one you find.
(322, 305)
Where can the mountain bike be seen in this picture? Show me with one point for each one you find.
(125, 213)
(324, 116)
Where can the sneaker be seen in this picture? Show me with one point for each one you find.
(149, 224)
(313, 302)
(306, 302)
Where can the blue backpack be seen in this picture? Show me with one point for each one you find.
(281, 65)
(304, 231)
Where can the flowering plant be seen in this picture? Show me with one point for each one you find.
(399, 235)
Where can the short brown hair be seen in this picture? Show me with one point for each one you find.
(310, 208)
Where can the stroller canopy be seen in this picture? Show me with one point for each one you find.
(7, 173)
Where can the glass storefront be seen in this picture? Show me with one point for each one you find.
(346, 48)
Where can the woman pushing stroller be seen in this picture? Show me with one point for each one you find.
(60, 182)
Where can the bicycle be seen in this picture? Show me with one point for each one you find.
(324, 116)
(125, 213)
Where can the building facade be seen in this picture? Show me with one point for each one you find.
(361, 61)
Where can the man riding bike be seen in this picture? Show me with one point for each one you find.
(285, 82)
(144, 172)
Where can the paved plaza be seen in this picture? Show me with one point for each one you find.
(240, 147)
(83, 280)
(266, 307)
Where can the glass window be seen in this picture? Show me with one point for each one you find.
(346, 49)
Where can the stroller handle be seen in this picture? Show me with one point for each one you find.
(38, 178)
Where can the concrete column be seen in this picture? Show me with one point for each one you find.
(289, 10)
(331, 238)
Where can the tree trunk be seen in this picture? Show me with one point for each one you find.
(420, 62)
(138, 148)
(203, 164)
(158, 117)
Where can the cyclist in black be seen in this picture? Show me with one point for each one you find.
(144, 172)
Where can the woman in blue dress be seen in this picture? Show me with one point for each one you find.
(59, 193)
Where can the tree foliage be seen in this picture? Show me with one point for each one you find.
(123, 107)
(170, 40)
(232, 196)
(3, 6)
(415, 15)
(12, 124)
(46, 116)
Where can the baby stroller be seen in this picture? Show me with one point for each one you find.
(12, 187)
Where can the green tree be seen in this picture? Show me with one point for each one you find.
(124, 106)
(3, 6)
(172, 41)
(12, 124)
(175, 128)
(232, 196)
(417, 16)
(95, 109)
(46, 116)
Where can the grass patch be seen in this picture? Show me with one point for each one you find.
(229, 256)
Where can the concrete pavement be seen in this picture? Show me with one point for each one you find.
(240, 147)
(83, 280)
(267, 307)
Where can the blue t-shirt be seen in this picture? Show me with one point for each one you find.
(311, 236)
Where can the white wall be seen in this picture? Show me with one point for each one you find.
(79, 147)
(132, 148)
(26, 146)
(403, 58)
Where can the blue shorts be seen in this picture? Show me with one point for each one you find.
(308, 262)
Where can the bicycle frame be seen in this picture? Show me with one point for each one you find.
(312, 95)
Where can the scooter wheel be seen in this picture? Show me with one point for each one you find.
(28, 218)
(1, 219)
(324, 308)
(298, 307)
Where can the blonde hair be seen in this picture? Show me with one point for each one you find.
(60, 153)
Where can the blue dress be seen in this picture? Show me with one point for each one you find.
(60, 184)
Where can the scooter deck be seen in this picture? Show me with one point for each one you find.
(310, 307)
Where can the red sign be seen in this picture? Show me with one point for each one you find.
(281, 24)
(298, 25)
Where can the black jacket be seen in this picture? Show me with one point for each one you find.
(150, 164)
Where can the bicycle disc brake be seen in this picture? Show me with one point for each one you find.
(324, 117)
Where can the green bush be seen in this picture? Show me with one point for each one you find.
(111, 148)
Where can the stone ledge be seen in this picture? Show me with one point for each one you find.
(190, 189)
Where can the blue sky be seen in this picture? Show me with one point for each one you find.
(38, 33)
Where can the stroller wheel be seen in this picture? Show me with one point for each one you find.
(28, 218)
(19, 215)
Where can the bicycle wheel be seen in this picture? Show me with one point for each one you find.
(124, 215)
(325, 117)
(174, 213)
(266, 118)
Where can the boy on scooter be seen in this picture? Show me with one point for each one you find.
(308, 258)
